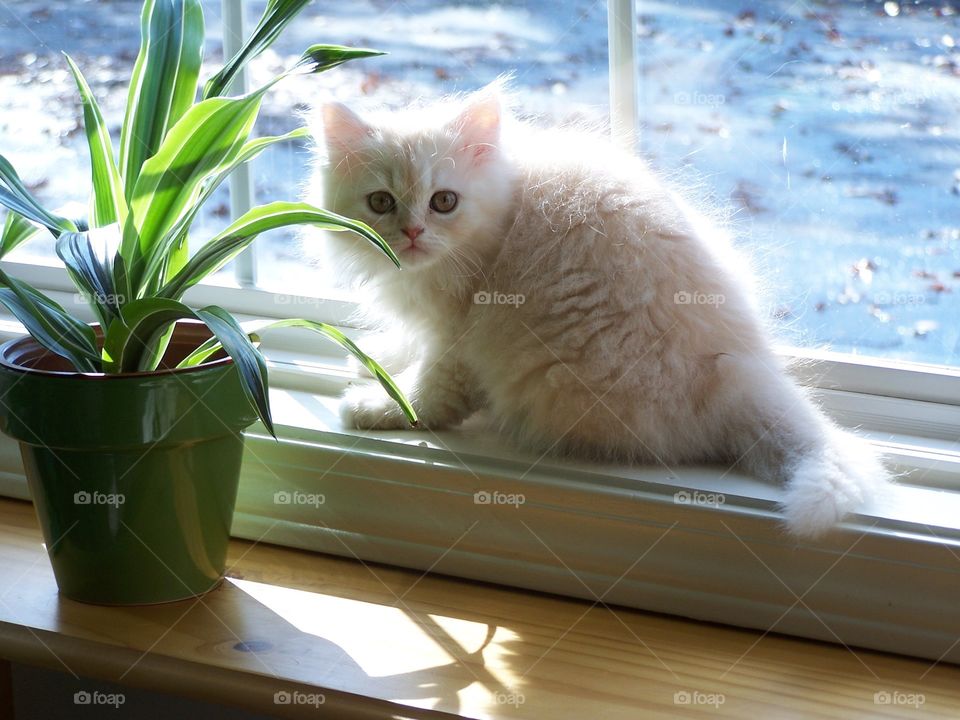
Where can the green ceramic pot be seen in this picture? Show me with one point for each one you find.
(134, 477)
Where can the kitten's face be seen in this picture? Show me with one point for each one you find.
(433, 193)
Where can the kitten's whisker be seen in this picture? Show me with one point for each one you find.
(462, 261)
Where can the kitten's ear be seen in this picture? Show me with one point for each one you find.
(478, 126)
(343, 129)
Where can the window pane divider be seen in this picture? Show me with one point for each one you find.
(622, 49)
(241, 181)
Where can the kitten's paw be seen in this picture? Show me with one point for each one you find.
(370, 408)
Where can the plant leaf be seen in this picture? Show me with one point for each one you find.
(225, 246)
(210, 134)
(276, 16)
(156, 273)
(164, 82)
(249, 360)
(131, 337)
(254, 329)
(319, 58)
(130, 344)
(89, 259)
(107, 203)
(16, 231)
(15, 196)
(211, 347)
(50, 325)
(333, 333)
(202, 353)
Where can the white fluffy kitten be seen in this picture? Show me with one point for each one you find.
(554, 280)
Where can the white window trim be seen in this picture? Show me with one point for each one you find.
(407, 499)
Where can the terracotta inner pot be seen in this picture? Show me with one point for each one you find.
(27, 353)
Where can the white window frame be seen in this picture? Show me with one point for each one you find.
(603, 533)
(241, 184)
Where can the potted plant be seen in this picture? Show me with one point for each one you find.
(131, 428)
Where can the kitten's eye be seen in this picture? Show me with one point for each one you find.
(381, 202)
(444, 201)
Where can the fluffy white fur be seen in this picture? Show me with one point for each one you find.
(602, 358)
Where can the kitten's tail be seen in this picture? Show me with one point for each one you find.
(829, 480)
(828, 472)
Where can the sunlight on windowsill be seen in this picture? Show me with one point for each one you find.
(394, 648)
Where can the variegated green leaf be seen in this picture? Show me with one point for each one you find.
(164, 82)
(16, 231)
(225, 246)
(107, 203)
(50, 325)
(320, 58)
(15, 196)
(211, 134)
(276, 16)
(88, 257)
(158, 270)
(131, 338)
(329, 331)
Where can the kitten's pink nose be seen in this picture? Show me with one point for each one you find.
(412, 232)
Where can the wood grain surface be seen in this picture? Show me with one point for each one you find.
(297, 634)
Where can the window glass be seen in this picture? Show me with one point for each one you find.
(830, 129)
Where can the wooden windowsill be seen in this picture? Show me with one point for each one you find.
(380, 642)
